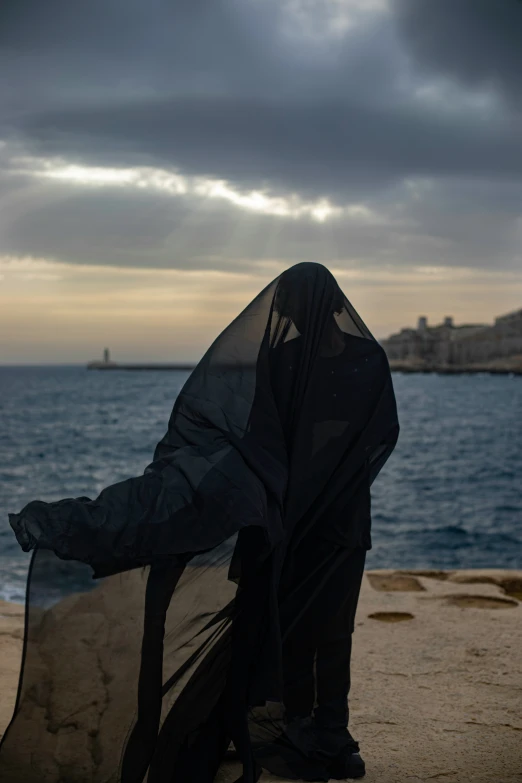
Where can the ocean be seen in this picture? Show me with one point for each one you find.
(450, 496)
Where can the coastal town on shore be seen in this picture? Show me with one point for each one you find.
(450, 347)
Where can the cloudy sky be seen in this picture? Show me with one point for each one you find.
(162, 160)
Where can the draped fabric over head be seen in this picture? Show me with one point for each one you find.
(175, 649)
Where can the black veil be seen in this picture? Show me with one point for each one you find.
(174, 649)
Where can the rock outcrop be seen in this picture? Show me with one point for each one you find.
(436, 680)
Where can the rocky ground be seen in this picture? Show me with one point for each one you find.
(436, 678)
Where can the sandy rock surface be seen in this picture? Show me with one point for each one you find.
(11, 639)
(436, 677)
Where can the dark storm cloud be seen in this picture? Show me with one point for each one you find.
(77, 54)
(318, 148)
(208, 87)
(211, 97)
(215, 89)
(478, 42)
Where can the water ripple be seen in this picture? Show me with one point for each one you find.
(449, 497)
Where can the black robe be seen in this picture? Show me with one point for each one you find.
(175, 649)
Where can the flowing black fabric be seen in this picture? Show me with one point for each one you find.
(244, 539)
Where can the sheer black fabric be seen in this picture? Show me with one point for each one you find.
(221, 572)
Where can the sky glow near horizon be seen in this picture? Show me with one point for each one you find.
(154, 177)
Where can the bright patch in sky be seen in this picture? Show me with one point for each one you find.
(178, 185)
(443, 95)
(322, 21)
(29, 268)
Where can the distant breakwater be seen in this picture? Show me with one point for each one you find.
(396, 366)
(115, 366)
(470, 369)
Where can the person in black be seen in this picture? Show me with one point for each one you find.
(223, 571)
(317, 648)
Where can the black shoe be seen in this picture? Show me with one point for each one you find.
(338, 751)
(347, 765)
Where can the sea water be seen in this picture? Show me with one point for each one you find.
(450, 496)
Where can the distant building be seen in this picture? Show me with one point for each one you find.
(448, 344)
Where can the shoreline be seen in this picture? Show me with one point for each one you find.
(472, 369)
(395, 366)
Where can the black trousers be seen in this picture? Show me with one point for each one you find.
(317, 648)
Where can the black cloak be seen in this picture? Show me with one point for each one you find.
(174, 650)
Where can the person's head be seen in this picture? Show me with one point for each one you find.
(297, 288)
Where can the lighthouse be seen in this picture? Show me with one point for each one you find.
(106, 364)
